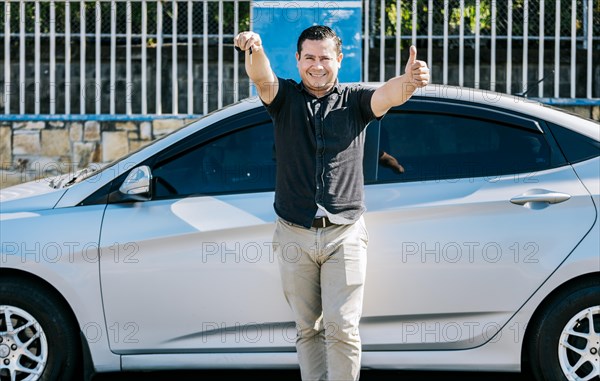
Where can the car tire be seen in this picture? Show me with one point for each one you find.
(565, 342)
(46, 345)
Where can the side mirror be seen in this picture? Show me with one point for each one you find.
(137, 185)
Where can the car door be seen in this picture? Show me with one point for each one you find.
(482, 209)
(193, 269)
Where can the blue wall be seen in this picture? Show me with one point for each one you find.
(279, 24)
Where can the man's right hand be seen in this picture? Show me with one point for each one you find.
(257, 65)
(246, 40)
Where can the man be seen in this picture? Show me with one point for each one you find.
(320, 237)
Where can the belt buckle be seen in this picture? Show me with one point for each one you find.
(320, 222)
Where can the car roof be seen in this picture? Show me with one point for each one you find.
(513, 104)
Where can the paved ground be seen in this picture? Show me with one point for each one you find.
(270, 375)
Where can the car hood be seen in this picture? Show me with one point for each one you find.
(31, 196)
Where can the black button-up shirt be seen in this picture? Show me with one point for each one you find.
(319, 145)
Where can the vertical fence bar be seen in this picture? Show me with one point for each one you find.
(573, 45)
(205, 57)
(251, 26)
(509, 48)
(382, 40)
(414, 22)
(113, 54)
(493, 49)
(236, 58)
(398, 34)
(7, 81)
(82, 56)
(541, 49)
(159, 43)
(430, 37)
(366, 43)
(128, 81)
(174, 60)
(36, 59)
(557, 50)
(590, 33)
(190, 67)
(584, 23)
(477, 42)
(461, 44)
(525, 86)
(98, 84)
(67, 57)
(445, 63)
(52, 73)
(220, 58)
(144, 52)
(22, 86)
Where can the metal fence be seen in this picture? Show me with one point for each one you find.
(116, 56)
(141, 57)
(506, 45)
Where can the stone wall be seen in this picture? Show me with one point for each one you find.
(38, 149)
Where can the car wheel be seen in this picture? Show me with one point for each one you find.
(37, 339)
(565, 344)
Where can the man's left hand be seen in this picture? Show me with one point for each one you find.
(416, 71)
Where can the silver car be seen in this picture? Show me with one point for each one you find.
(484, 249)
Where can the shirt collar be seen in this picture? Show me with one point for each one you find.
(336, 88)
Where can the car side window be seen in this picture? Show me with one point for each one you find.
(241, 161)
(430, 146)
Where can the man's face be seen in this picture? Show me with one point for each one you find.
(318, 65)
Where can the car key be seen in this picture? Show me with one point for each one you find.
(250, 52)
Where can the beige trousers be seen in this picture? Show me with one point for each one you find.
(323, 274)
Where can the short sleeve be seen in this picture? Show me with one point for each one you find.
(364, 95)
(276, 103)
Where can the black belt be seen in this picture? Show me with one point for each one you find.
(322, 222)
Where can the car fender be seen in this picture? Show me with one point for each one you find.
(70, 268)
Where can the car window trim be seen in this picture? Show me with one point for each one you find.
(371, 152)
(214, 131)
(218, 132)
(469, 110)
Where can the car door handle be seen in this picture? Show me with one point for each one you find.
(538, 195)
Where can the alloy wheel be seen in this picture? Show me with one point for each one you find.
(23, 345)
(579, 346)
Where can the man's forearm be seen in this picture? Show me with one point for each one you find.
(393, 93)
(258, 68)
(398, 90)
(257, 65)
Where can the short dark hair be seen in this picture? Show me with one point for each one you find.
(319, 32)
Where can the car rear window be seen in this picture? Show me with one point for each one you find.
(575, 147)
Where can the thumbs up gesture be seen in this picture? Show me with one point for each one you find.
(416, 71)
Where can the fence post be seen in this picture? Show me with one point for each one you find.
(7, 82)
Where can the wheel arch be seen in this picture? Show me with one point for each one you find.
(582, 281)
(36, 281)
(6, 274)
